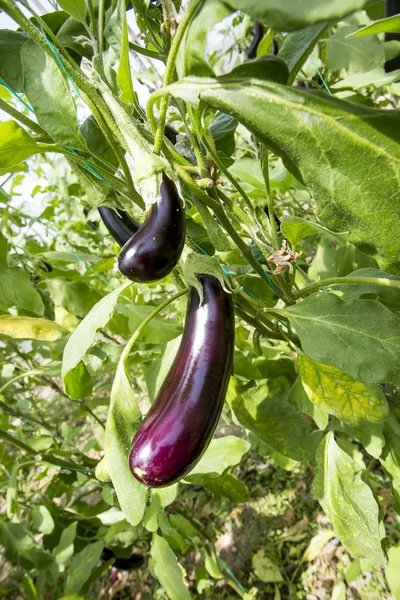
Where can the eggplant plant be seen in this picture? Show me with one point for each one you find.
(214, 407)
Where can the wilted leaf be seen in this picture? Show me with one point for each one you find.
(28, 328)
(339, 394)
(316, 545)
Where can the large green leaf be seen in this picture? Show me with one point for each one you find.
(388, 296)
(83, 336)
(264, 410)
(221, 454)
(347, 154)
(298, 45)
(361, 337)
(116, 33)
(347, 500)
(16, 289)
(16, 145)
(165, 567)
(50, 97)
(356, 55)
(10, 57)
(292, 14)
(81, 567)
(124, 418)
(390, 24)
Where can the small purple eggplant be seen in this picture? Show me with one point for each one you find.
(179, 426)
(153, 251)
(258, 34)
(119, 224)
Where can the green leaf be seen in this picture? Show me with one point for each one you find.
(339, 394)
(75, 8)
(392, 571)
(193, 264)
(347, 501)
(264, 410)
(356, 55)
(297, 228)
(268, 67)
(222, 130)
(297, 394)
(22, 548)
(166, 569)
(298, 46)
(28, 328)
(327, 326)
(16, 289)
(81, 566)
(84, 335)
(159, 368)
(191, 57)
(330, 144)
(332, 260)
(291, 14)
(75, 296)
(77, 382)
(217, 236)
(221, 454)
(390, 297)
(158, 331)
(124, 418)
(50, 97)
(116, 33)
(228, 486)
(42, 519)
(16, 145)
(390, 24)
(265, 569)
(10, 57)
(370, 435)
(65, 547)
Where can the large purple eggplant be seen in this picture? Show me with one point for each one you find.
(180, 424)
(154, 250)
(119, 224)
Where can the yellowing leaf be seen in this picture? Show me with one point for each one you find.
(28, 328)
(317, 544)
(339, 394)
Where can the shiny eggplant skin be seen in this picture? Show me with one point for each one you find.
(180, 424)
(119, 224)
(154, 250)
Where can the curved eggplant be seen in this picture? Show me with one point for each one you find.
(119, 224)
(258, 34)
(180, 424)
(154, 250)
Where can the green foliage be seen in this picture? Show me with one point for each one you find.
(314, 392)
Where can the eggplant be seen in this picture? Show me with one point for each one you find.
(392, 8)
(171, 134)
(179, 426)
(153, 251)
(258, 34)
(119, 224)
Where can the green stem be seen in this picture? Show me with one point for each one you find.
(93, 24)
(20, 376)
(393, 422)
(32, 125)
(258, 325)
(100, 26)
(270, 204)
(384, 282)
(146, 321)
(146, 52)
(228, 175)
(170, 71)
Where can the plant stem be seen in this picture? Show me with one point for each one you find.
(32, 125)
(257, 324)
(270, 204)
(100, 26)
(93, 25)
(170, 71)
(146, 52)
(20, 376)
(384, 282)
(228, 175)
